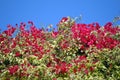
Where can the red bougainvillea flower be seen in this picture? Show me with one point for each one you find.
(30, 22)
(54, 79)
(86, 71)
(1, 38)
(54, 34)
(13, 44)
(17, 54)
(10, 31)
(61, 68)
(80, 59)
(22, 26)
(82, 66)
(64, 44)
(13, 69)
(64, 19)
(6, 51)
(91, 68)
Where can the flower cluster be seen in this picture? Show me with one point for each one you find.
(75, 51)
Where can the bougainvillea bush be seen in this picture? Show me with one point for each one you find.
(75, 51)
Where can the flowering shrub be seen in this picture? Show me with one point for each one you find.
(74, 52)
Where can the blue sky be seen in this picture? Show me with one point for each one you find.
(45, 12)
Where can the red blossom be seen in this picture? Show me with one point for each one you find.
(22, 74)
(22, 26)
(1, 38)
(13, 44)
(6, 51)
(10, 31)
(61, 68)
(30, 22)
(64, 19)
(54, 34)
(91, 68)
(64, 44)
(13, 69)
(17, 54)
(54, 79)
(86, 71)
(80, 59)
(74, 70)
(49, 64)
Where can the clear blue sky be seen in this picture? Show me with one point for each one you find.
(45, 12)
